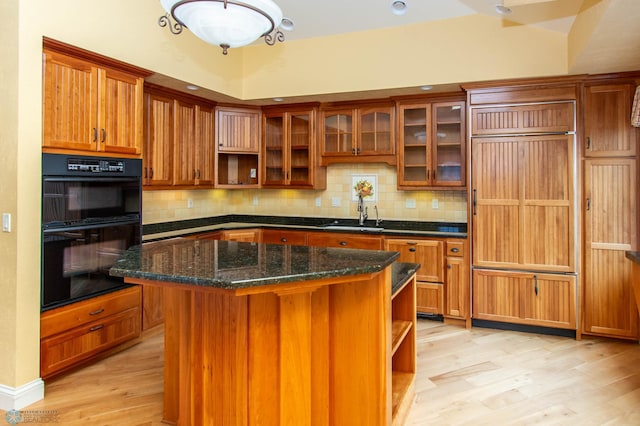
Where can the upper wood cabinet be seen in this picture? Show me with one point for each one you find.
(158, 147)
(238, 129)
(179, 140)
(431, 145)
(552, 117)
(289, 149)
(358, 133)
(194, 147)
(606, 121)
(237, 155)
(89, 106)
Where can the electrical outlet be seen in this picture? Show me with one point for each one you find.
(255, 200)
(318, 201)
(6, 222)
(410, 203)
(434, 204)
(189, 203)
(335, 202)
(252, 174)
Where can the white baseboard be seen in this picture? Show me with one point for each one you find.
(20, 397)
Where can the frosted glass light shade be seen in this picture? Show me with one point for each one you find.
(241, 23)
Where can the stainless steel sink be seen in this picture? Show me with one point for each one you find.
(354, 228)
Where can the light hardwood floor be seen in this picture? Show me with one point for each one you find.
(478, 376)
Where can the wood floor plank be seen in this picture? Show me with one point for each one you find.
(475, 377)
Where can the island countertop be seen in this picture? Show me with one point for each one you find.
(232, 265)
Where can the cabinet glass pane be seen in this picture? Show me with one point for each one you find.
(300, 130)
(414, 130)
(375, 132)
(448, 137)
(338, 130)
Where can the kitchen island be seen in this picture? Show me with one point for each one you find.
(279, 335)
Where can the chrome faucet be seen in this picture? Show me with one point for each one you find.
(378, 220)
(362, 211)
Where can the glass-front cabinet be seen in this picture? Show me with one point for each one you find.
(362, 133)
(288, 153)
(431, 145)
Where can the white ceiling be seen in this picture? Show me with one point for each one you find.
(330, 17)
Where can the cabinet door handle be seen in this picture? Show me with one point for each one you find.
(353, 151)
(475, 202)
(151, 169)
(198, 173)
(588, 142)
(96, 327)
(194, 173)
(103, 135)
(343, 243)
(95, 134)
(96, 312)
(535, 278)
(588, 204)
(146, 172)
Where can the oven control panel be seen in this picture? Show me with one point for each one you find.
(95, 165)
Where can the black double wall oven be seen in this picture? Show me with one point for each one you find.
(91, 213)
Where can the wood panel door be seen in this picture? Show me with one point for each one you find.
(606, 120)
(238, 129)
(120, 112)
(456, 288)
(523, 119)
(610, 220)
(205, 148)
(158, 147)
(523, 202)
(185, 143)
(70, 101)
(428, 253)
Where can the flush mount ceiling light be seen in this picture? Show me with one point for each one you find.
(398, 7)
(225, 23)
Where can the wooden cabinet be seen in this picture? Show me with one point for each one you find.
(456, 288)
(157, 154)
(90, 106)
(152, 307)
(547, 300)
(237, 155)
(610, 228)
(194, 147)
(431, 145)
(78, 332)
(548, 117)
(607, 130)
(246, 235)
(334, 239)
(289, 149)
(430, 277)
(523, 202)
(358, 133)
(179, 140)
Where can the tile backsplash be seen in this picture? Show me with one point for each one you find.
(335, 201)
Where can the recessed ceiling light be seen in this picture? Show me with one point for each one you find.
(426, 88)
(192, 87)
(398, 7)
(502, 9)
(287, 24)
(278, 99)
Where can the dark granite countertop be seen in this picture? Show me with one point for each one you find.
(389, 227)
(401, 273)
(235, 265)
(633, 256)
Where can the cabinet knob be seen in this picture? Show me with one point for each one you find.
(412, 249)
(455, 250)
(449, 266)
(343, 243)
(284, 240)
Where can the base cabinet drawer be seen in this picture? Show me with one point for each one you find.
(75, 333)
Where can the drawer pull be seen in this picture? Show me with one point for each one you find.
(455, 250)
(284, 240)
(96, 312)
(96, 327)
(412, 249)
(343, 243)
